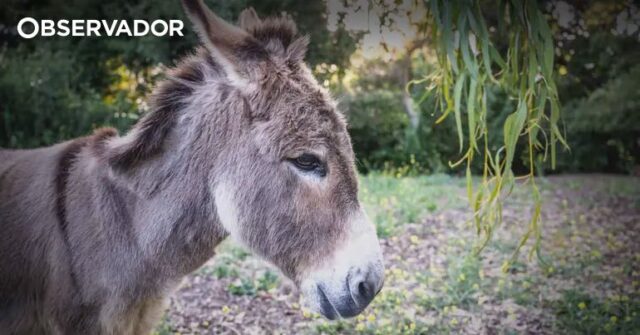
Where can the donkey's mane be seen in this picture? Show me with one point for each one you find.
(167, 99)
(170, 96)
(281, 29)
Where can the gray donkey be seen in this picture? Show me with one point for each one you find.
(240, 141)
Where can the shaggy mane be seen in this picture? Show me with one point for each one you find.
(281, 29)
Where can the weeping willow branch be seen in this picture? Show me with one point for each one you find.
(470, 64)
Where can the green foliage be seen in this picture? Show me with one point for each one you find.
(377, 125)
(611, 108)
(384, 141)
(246, 286)
(394, 200)
(242, 286)
(231, 265)
(164, 328)
(579, 313)
(225, 268)
(53, 89)
(45, 100)
(382, 136)
(469, 65)
(600, 101)
(57, 88)
(461, 284)
(267, 281)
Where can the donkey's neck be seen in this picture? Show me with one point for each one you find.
(161, 212)
(176, 228)
(174, 217)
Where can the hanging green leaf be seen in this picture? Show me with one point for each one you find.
(525, 71)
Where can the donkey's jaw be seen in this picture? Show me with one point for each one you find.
(226, 209)
(346, 283)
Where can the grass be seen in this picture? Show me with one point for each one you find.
(436, 284)
(580, 313)
(229, 264)
(391, 201)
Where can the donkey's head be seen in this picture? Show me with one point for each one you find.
(290, 191)
(274, 153)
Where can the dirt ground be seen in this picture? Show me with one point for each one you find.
(436, 284)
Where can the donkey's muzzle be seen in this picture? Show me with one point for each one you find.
(344, 285)
(357, 293)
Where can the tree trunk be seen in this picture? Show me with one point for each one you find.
(405, 77)
(407, 100)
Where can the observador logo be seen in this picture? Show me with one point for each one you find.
(29, 27)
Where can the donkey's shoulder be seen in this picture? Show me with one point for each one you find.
(7, 156)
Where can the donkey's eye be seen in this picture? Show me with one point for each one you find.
(309, 163)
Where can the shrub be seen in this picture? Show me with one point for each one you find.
(383, 140)
(44, 100)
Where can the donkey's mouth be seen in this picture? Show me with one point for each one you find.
(326, 307)
(344, 307)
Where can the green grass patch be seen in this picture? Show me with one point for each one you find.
(391, 201)
(266, 281)
(461, 283)
(164, 328)
(579, 313)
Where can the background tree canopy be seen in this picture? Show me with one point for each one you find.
(76, 84)
(56, 88)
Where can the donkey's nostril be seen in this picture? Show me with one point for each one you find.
(363, 290)
(364, 287)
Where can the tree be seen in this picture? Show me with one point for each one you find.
(472, 59)
(516, 47)
(391, 30)
(75, 84)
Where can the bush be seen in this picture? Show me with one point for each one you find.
(377, 126)
(383, 139)
(44, 100)
(603, 129)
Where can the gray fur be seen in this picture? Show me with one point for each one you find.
(98, 231)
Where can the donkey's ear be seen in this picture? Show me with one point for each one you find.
(220, 37)
(249, 20)
(297, 49)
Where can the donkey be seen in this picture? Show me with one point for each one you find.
(240, 141)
